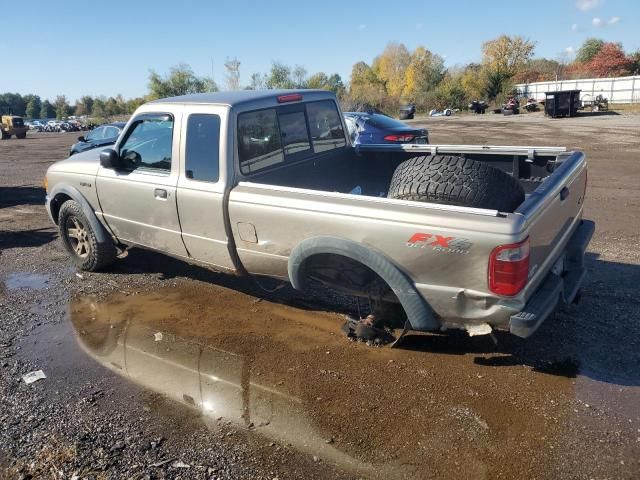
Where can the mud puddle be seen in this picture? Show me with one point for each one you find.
(442, 407)
(34, 281)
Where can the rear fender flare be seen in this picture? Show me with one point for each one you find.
(419, 313)
(102, 235)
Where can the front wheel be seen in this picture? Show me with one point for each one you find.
(21, 135)
(80, 240)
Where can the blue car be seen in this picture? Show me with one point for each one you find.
(376, 128)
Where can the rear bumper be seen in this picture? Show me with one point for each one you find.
(559, 288)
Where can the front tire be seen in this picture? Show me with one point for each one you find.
(21, 135)
(80, 240)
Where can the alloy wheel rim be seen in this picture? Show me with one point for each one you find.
(78, 237)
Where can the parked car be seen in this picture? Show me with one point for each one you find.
(370, 128)
(36, 125)
(463, 237)
(98, 137)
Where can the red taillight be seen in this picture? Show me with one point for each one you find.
(399, 138)
(509, 268)
(292, 97)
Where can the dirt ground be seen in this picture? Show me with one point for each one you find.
(157, 369)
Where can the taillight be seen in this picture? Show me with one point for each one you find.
(509, 268)
(291, 97)
(399, 138)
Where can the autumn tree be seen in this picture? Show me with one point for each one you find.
(507, 54)
(424, 72)
(390, 68)
(179, 81)
(589, 49)
(610, 61)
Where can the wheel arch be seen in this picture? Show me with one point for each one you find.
(418, 311)
(64, 192)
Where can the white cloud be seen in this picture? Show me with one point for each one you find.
(614, 20)
(570, 51)
(362, 26)
(596, 22)
(586, 5)
(574, 27)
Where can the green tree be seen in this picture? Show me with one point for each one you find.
(34, 104)
(279, 76)
(84, 106)
(12, 103)
(47, 110)
(257, 81)
(62, 107)
(300, 76)
(589, 49)
(179, 81)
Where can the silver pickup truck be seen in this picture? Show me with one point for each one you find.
(266, 183)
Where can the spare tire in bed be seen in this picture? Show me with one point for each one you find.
(455, 180)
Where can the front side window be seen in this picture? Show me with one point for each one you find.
(203, 147)
(148, 143)
(259, 143)
(325, 126)
(111, 132)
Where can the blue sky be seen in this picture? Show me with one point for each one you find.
(106, 48)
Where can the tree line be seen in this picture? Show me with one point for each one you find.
(396, 76)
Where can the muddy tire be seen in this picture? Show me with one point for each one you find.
(5, 136)
(21, 135)
(80, 240)
(454, 180)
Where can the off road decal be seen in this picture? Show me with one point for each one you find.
(440, 243)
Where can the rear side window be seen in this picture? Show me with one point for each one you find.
(325, 126)
(203, 147)
(259, 140)
(270, 137)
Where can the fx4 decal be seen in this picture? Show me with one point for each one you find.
(440, 243)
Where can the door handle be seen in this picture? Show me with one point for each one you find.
(160, 193)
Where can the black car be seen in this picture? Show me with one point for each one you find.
(106, 134)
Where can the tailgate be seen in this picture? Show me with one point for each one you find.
(551, 214)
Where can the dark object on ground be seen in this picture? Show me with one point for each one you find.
(366, 330)
(407, 112)
(512, 107)
(563, 103)
(600, 104)
(478, 106)
(455, 181)
(531, 105)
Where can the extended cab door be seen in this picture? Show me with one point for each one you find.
(138, 200)
(201, 184)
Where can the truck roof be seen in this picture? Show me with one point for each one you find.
(236, 97)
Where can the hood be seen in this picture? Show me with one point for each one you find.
(86, 163)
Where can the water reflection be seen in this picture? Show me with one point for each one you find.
(219, 383)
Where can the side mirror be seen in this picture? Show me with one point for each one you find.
(82, 139)
(109, 158)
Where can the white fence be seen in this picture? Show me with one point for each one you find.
(617, 90)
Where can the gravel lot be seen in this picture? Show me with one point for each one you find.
(129, 353)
